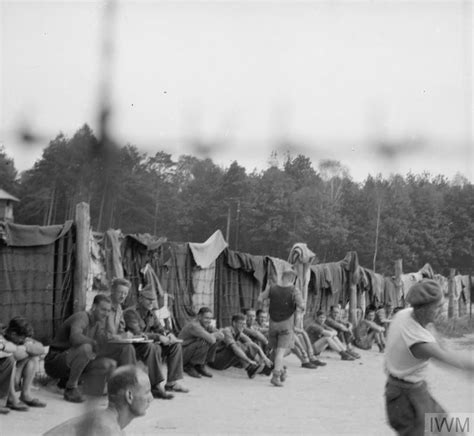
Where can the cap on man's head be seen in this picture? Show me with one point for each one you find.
(424, 292)
(148, 292)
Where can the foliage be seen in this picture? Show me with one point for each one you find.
(420, 218)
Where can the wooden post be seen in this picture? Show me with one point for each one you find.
(470, 296)
(81, 270)
(353, 304)
(352, 297)
(398, 282)
(451, 303)
(227, 233)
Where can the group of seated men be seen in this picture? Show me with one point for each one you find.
(90, 345)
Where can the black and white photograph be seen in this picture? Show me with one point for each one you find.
(236, 217)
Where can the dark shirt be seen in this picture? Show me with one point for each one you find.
(284, 300)
(146, 321)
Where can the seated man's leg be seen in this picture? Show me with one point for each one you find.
(96, 375)
(173, 354)
(7, 372)
(150, 355)
(320, 345)
(196, 355)
(26, 370)
(122, 354)
(224, 359)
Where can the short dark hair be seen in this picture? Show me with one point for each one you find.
(101, 297)
(20, 326)
(259, 312)
(122, 378)
(204, 310)
(334, 307)
(118, 281)
(320, 312)
(238, 317)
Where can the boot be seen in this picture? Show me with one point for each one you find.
(275, 381)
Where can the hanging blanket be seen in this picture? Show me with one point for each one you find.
(206, 253)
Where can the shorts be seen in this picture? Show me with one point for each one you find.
(281, 334)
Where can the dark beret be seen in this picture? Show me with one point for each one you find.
(424, 292)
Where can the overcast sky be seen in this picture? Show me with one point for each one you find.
(332, 78)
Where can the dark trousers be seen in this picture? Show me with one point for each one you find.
(225, 357)
(406, 405)
(173, 356)
(150, 355)
(72, 364)
(123, 354)
(199, 352)
(7, 366)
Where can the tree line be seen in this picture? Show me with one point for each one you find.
(419, 217)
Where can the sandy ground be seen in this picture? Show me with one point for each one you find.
(342, 398)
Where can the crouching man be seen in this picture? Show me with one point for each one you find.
(75, 349)
(200, 341)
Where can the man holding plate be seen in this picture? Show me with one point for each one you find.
(141, 321)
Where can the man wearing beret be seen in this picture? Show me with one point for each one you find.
(142, 320)
(409, 347)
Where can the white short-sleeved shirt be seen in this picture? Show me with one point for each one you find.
(404, 332)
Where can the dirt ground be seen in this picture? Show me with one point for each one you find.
(342, 398)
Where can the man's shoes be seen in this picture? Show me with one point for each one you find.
(201, 369)
(309, 365)
(346, 356)
(34, 402)
(176, 387)
(318, 362)
(191, 371)
(267, 370)
(159, 392)
(62, 383)
(18, 406)
(4, 410)
(353, 353)
(252, 370)
(73, 395)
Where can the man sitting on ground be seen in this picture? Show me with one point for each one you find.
(303, 349)
(75, 350)
(237, 349)
(322, 336)
(129, 393)
(344, 329)
(383, 316)
(26, 355)
(199, 343)
(142, 320)
(7, 377)
(261, 322)
(252, 331)
(368, 332)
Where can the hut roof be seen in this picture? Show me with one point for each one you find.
(4, 195)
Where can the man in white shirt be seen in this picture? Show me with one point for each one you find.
(409, 347)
